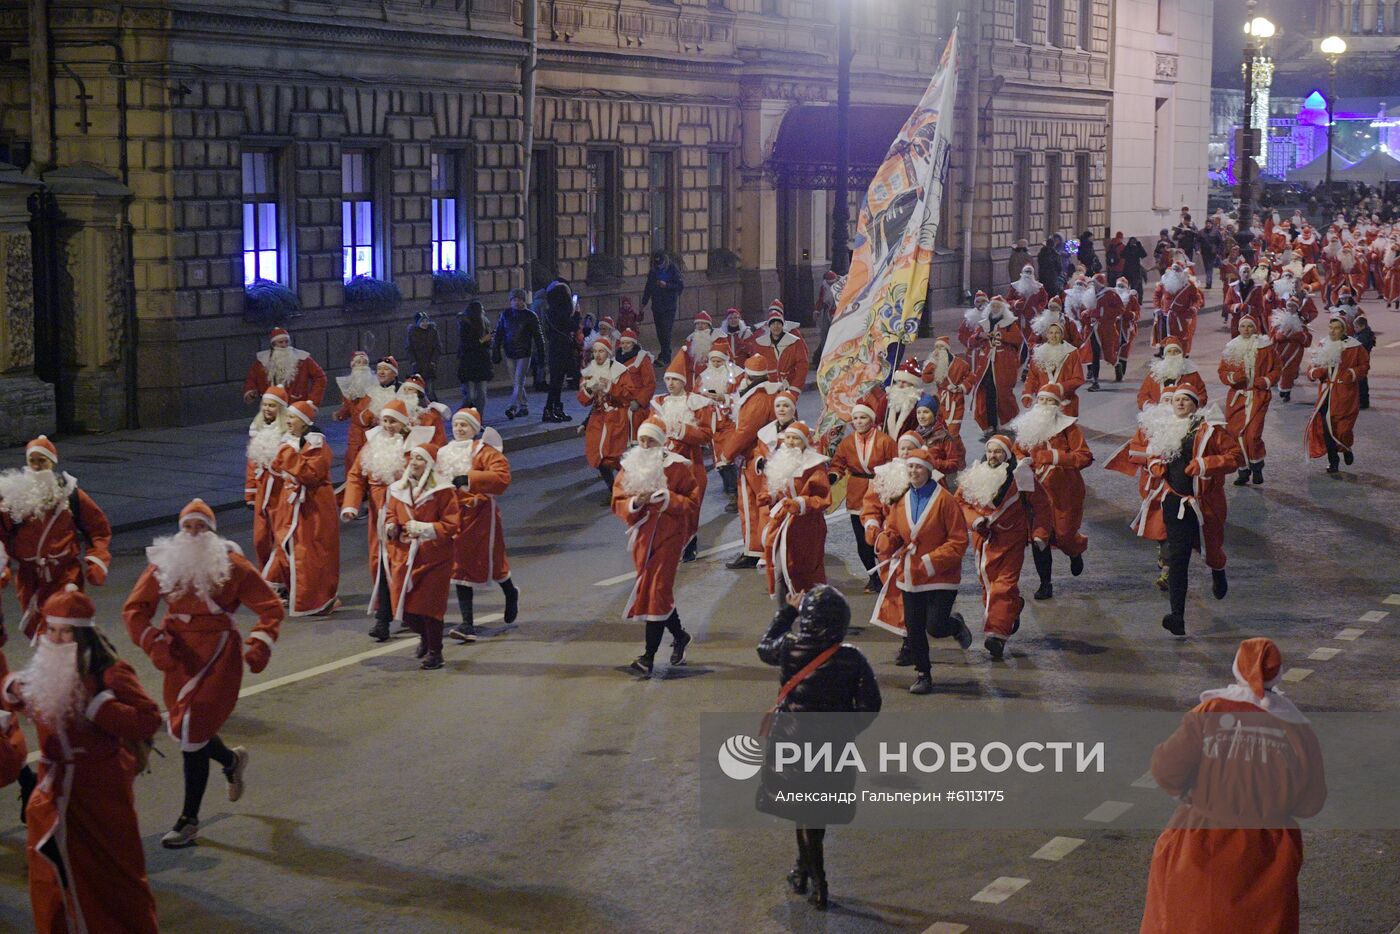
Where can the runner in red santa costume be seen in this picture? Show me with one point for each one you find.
(426, 414)
(993, 493)
(945, 449)
(53, 532)
(604, 386)
(948, 376)
(753, 410)
(261, 484)
(422, 522)
(1078, 300)
(203, 579)
(1352, 269)
(885, 489)
(736, 336)
(284, 365)
(785, 352)
(474, 463)
(639, 385)
(1101, 338)
(1053, 314)
(1216, 868)
(655, 495)
(863, 450)
(1167, 373)
(1251, 297)
(1176, 303)
(1053, 443)
(1027, 296)
(695, 352)
(87, 871)
(1250, 368)
(895, 411)
(719, 382)
(307, 544)
(1388, 270)
(769, 439)
(1291, 337)
(1127, 325)
(689, 420)
(921, 545)
(796, 494)
(380, 463)
(996, 363)
(1337, 365)
(972, 318)
(1058, 362)
(362, 394)
(1307, 246)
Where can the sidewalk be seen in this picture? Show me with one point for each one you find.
(143, 478)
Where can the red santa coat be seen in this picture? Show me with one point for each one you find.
(1176, 314)
(261, 486)
(657, 533)
(1000, 532)
(306, 526)
(1338, 400)
(420, 568)
(874, 512)
(353, 412)
(1128, 323)
(1388, 276)
(755, 411)
(360, 485)
(1059, 493)
(1102, 322)
(688, 438)
(1068, 374)
(1259, 305)
(479, 548)
(789, 359)
(1150, 392)
(639, 385)
(197, 645)
(1026, 307)
(308, 382)
(1003, 364)
(951, 390)
(1206, 878)
(794, 539)
(13, 749)
(1251, 389)
(923, 555)
(856, 457)
(739, 343)
(1307, 246)
(84, 805)
(609, 424)
(1290, 337)
(1358, 276)
(434, 416)
(50, 552)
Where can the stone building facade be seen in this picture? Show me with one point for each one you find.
(183, 147)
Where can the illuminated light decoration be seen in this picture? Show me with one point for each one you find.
(1263, 76)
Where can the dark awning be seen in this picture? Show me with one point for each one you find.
(805, 154)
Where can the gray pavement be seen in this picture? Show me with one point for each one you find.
(531, 785)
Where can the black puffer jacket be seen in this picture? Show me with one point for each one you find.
(560, 319)
(844, 683)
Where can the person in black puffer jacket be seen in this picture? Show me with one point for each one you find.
(844, 683)
(559, 324)
(517, 335)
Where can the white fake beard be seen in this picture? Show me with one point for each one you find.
(1242, 350)
(675, 412)
(1049, 356)
(902, 400)
(1125, 293)
(380, 396)
(1347, 261)
(1173, 281)
(185, 563)
(455, 458)
(891, 480)
(1170, 367)
(1286, 321)
(1026, 286)
(715, 379)
(263, 444)
(973, 316)
(382, 457)
(1080, 297)
(1261, 277)
(1002, 316)
(1036, 425)
(28, 494)
(411, 401)
(643, 471)
(54, 692)
(942, 360)
(593, 374)
(281, 365)
(700, 344)
(1328, 353)
(980, 482)
(1285, 287)
(1164, 430)
(361, 382)
(784, 466)
(1333, 249)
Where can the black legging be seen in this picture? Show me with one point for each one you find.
(927, 613)
(866, 551)
(989, 396)
(1183, 534)
(558, 369)
(655, 629)
(383, 601)
(810, 856)
(1333, 449)
(197, 773)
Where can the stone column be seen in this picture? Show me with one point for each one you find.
(27, 401)
(92, 292)
(758, 200)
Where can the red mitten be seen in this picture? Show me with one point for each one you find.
(161, 653)
(95, 573)
(1193, 469)
(257, 656)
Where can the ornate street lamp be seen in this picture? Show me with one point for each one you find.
(1257, 29)
(1332, 48)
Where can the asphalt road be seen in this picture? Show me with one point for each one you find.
(533, 785)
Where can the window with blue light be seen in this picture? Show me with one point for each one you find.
(262, 239)
(451, 212)
(357, 212)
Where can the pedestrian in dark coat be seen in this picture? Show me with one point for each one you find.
(1133, 255)
(1088, 255)
(559, 324)
(517, 338)
(1047, 264)
(843, 683)
(474, 369)
(663, 292)
(1020, 256)
(424, 347)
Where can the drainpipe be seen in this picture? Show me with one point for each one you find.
(40, 90)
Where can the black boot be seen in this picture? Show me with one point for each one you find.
(560, 415)
(1219, 586)
(1256, 470)
(816, 868)
(465, 631)
(512, 600)
(905, 657)
(797, 879)
(1174, 624)
(380, 631)
(692, 548)
(1285, 395)
(742, 562)
(1242, 479)
(1332, 462)
(1119, 369)
(608, 476)
(1076, 565)
(1043, 565)
(1348, 458)
(27, 781)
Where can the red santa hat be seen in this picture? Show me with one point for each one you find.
(603, 342)
(416, 383)
(199, 510)
(390, 362)
(1051, 391)
(627, 335)
(864, 407)
(357, 355)
(830, 276)
(922, 456)
(801, 431)
(1101, 279)
(787, 394)
(1003, 442)
(1258, 665)
(705, 319)
(733, 313)
(469, 415)
(70, 607)
(304, 410)
(676, 368)
(396, 410)
(607, 321)
(278, 332)
(44, 446)
(756, 365)
(428, 450)
(1173, 342)
(913, 436)
(277, 394)
(1185, 390)
(718, 350)
(909, 372)
(1122, 280)
(653, 428)
(980, 295)
(776, 312)
(942, 339)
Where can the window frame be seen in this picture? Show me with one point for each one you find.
(670, 235)
(1083, 188)
(725, 189)
(544, 181)
(1023, 23)
(281, 175)
(1022, 180)
(1085, 25)
(374, 173)
(1055, 24)
(611, 237)
(462, 192)
(1054, 180)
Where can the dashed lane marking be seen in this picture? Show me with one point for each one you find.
(1324, 655)
(1057, 849)
(1392, 600)
(949, 927)
(1350, 635)
(1000, 890)
(1108, 812)
(1146, 781)
(1296, 674)
(1373, 616)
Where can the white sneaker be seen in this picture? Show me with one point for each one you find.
(181, 836)
(235, 774)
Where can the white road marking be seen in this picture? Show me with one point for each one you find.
(952, 927)
(608, 582)
(1146, 781)
(1296, 674)
(1350, 635)
(1373, 616)
(1108, 812)
(1000, 890)
(1324, 654)
(1057, 849)
(1393, 344)
(1392, 600)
